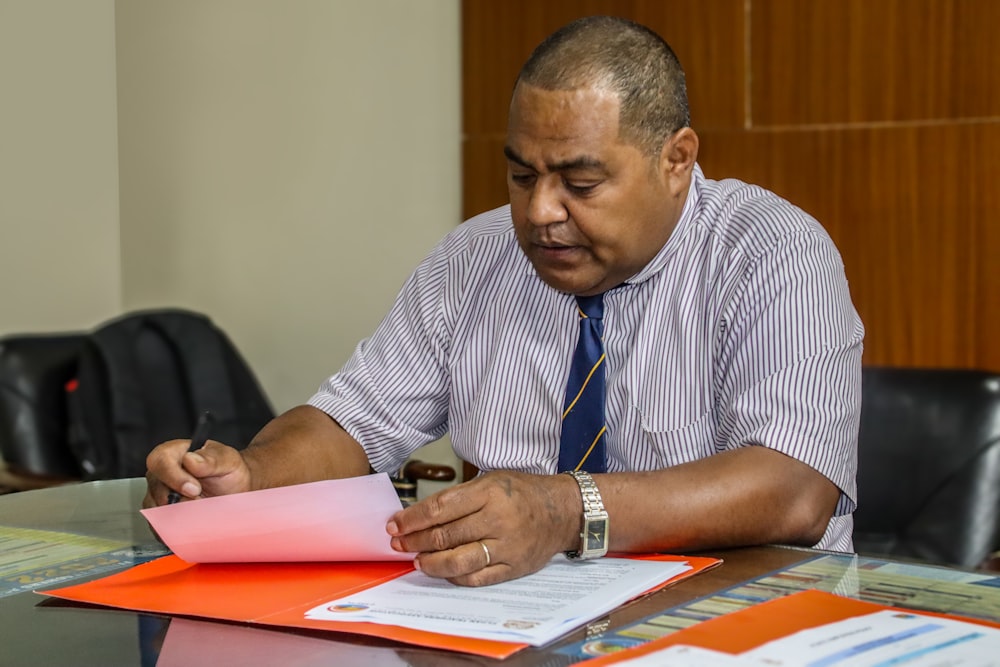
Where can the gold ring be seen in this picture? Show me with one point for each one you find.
(487, 552)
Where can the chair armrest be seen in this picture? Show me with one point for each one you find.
(433, 471)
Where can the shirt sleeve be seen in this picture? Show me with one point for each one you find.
(392, 394)
(791, 371)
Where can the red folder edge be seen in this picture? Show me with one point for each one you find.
(749, 628)
(280, 594)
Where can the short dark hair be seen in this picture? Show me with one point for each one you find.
(623, 57)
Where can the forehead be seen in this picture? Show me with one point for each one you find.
(557, 123)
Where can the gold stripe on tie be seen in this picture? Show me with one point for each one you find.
(592, 445)
(585, 383)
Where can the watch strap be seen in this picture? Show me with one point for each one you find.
(593, 509)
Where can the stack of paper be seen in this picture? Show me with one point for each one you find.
(535, 609)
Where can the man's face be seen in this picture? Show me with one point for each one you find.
(589, 211)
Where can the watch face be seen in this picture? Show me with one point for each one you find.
(596, 530)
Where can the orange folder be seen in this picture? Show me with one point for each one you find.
(751, 627)
(280, 594)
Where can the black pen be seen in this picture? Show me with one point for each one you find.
(198, 440)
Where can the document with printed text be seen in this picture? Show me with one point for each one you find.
(876, 640)
(535, 609)
(884, 638)
(814, 628)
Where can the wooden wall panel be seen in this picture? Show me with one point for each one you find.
(497, 38)
(484, 174)
(873, 61)
(919, 237)
(879, 117)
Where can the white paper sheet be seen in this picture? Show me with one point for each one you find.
(535, 609)
(334, 520)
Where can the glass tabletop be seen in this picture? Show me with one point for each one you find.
(52, 537)
(68, 534)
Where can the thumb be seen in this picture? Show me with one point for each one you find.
(211, 459)
(216, 469)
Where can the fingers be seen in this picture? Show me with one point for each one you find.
(215, 469)
(452, 535)
(497, 527)
(446, 520)
(445, 506)
(164, 472)
(472, 564)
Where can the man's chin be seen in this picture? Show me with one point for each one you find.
(568, 282)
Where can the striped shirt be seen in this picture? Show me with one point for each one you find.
(740, 331)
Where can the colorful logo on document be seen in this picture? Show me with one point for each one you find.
(347, 607)
(516, 624)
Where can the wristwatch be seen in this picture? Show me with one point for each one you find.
(594, 536)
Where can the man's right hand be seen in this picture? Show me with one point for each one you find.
(214, 470)
(302, 445)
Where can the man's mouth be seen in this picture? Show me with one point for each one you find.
(553, 244)
(556, 252)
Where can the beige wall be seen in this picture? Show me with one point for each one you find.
(281, 166)
(60, 264)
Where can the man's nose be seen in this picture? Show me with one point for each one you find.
(546, 205)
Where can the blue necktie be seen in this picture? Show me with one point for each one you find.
(583, 430)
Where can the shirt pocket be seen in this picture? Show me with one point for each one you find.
(690, 442)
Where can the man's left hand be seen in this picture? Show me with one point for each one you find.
(497, 527)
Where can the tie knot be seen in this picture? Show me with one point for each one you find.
(591, 306)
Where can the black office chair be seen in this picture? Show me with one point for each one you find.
(36, 373)
(33, 420)
(147, 375)
(929, 465)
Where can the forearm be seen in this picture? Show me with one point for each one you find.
(752, 495)
(303, 445)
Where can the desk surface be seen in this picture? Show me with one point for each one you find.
(43, 631)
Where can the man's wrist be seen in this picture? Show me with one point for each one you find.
(571, 508)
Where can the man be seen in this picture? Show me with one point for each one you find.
(727, 355)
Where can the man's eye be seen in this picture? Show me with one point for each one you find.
(581, 188)
(522, 179)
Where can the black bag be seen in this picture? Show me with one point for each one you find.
(144, 378)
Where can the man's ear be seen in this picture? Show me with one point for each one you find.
(679, 154)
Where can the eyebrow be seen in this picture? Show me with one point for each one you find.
(582, 162)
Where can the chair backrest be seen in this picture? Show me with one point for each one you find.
(92, 405)
(34, 369)
(929, 465)
(144, 378)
